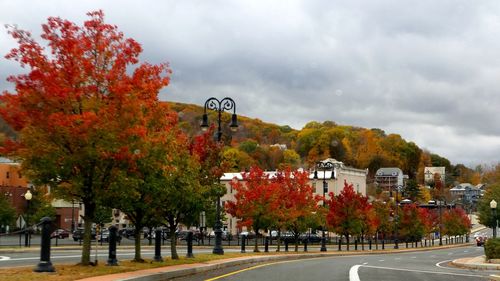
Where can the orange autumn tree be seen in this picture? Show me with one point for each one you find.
(79, 108)
(296, 206)
(255, 196)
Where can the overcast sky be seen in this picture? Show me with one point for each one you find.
(427, 70)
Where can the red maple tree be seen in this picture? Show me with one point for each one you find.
(80, 108)
(346, 212)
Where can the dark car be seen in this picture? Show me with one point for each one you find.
(310, 238)
(182, 235)
(78, 234)
(104, 236)
(60, 234)
(128, 232)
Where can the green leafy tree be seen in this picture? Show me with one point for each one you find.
(485, 213)
(412, 191)
(7, 212)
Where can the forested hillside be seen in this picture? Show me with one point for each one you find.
(269, 146)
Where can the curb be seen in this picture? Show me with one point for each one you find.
(465, 262)
(170, 272)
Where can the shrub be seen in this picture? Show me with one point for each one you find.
(492, 248)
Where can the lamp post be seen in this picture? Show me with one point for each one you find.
(72, 215)
(226, 104)
(324, 165)
(493, 206)
(440, 201)
(28, 196)
(396, 217)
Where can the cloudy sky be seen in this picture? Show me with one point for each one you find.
(427, 70)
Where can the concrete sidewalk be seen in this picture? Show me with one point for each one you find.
(478, 263)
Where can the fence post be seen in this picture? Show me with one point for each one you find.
(45, 265)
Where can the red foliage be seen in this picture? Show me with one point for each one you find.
(347, 211)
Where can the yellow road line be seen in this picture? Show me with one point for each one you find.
(254, 267)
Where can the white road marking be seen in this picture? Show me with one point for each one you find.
(4, 258)
(420, 271)
(466, 251)
(439, 263)
(365, 263)
(353, 273)
(381, 260)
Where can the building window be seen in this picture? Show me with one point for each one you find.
(19, 175)
(8, 175)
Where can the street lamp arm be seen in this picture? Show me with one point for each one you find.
(226, 104)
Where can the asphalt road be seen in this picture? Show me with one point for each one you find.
(423, 265)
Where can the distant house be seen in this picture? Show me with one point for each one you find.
(390, 178)
(466, 193)
(433, 173)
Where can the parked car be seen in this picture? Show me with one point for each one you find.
(104, 236)
(224, 234)
(310, 238)
(78, 234)
(480, 240)
(182, 235)
(247, 234)
(60, 234)
(128, 232)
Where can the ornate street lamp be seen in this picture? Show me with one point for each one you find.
(324, 166)
(28, 196)
(396, 219)
(440, 201)
(493, 206)
(226, 104)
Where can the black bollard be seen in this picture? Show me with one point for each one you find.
(383, 244)
(189, 245)
(286, 245)
(406, 244)
(112, 261)
(305, 245)
(266, 245)
(356, 244)
(158, 241)
(340, 245)
(243, 238)
(45, 265)
(370, 244)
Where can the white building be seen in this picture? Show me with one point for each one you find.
(334, 183)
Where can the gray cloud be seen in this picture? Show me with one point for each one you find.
(426, 70)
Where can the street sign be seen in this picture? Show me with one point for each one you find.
(20, 223)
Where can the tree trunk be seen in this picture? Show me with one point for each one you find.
(87, 232)
(173, 243)
(137, 241)
(256, 245)
(278, 241)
